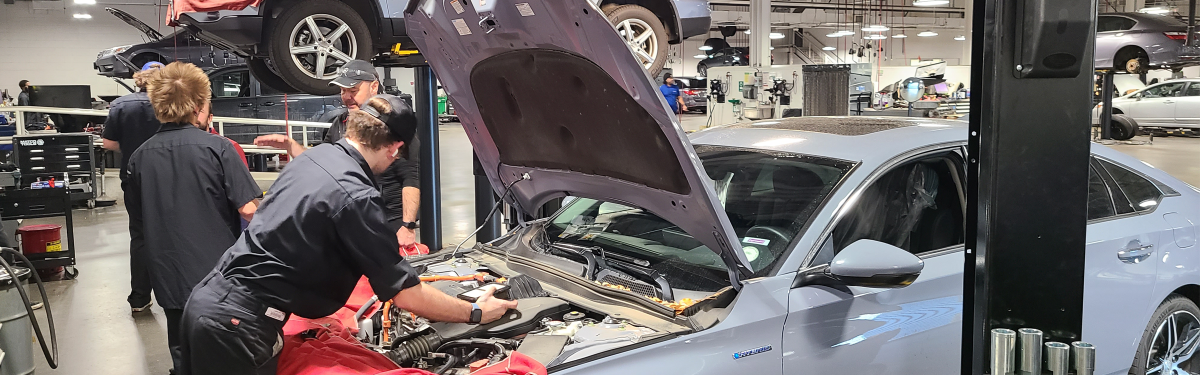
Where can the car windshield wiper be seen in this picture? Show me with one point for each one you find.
(597, 261)
(593, 255)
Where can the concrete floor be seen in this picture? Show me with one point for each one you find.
(98, 335)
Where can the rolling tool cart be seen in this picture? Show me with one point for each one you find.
(46, 160)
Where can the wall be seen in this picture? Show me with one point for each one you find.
(50, 47)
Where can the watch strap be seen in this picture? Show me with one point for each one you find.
(476, 313)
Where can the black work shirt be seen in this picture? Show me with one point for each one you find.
(130, 122)
(321, 227)
(191, 185)
(404, 172)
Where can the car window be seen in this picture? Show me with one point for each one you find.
(1141, 194)
(916, 206)
(1193, 89)
(1114, 23)
(1100, 198)
(1165, 90)
(233, 84)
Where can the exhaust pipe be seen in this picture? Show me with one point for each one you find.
(1058, 358)
(1030, 344)
(1004, 342)
(1085, 358)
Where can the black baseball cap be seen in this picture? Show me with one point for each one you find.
(401, 121)
(354, 72)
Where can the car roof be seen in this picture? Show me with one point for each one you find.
(1158, 19)
(853, 138)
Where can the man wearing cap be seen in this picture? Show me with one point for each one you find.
(321, 228)
(130, 123)
(400, 183)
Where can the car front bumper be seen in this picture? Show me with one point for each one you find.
(239, 31)
(113, 66)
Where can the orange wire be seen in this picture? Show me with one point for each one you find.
(387, 323)
(477, 277)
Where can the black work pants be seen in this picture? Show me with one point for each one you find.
(139, 264)
(174, 322)
(226, 330)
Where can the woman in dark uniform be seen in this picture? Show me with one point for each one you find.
(321, 227)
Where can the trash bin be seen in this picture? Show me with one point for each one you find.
(38, 239)
(441, 105)
(16, 332)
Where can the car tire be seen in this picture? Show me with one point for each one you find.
(652, 51)
(1123, 127)
(262, 72)
(291, 29)
(702, 70)
(1178, 313)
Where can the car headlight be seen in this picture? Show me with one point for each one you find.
(113, 51)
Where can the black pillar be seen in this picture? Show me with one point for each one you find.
(1106, 98)
(485, 199)
(1027, 176)
(425, 105)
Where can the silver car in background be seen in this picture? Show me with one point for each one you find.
(1136, 42)
(1170, 104)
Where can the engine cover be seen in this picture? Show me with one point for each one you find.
(525, 318)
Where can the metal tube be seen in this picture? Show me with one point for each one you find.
(425, 106)
(1084, 358)
(1057, 358)
(1029, 343)
(485, 198)
(1004, 342)
(1106, 97)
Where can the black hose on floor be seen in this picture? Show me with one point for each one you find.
(52, 359)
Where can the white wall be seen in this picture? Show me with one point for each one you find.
(50, 47)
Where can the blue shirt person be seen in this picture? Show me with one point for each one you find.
(672, 94)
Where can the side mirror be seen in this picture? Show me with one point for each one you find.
(875, 264)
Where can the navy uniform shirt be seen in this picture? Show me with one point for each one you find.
(191, 185)
(321, 227)
(130, 122)
(404, 172)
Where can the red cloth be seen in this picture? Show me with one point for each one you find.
(184, 6)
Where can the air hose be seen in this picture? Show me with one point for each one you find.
(414, 349)
(51, 359)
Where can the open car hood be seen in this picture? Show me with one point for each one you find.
(133, 21)
(548, 88)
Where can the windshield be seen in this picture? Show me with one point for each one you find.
(769, 198)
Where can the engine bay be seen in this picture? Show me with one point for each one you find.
(545, 327)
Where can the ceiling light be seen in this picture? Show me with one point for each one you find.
(834, 35)
(875, 37)
(772, 48)
(928, 33)
(82, 16)
(775, 36)
(747, 32)
(899, 36)
(706, 48)
(701, 56)
(85, 2)
(1155, 10)
(830, 48)
(876, 28)
(930, 3)
(846, 32)
(960, 37)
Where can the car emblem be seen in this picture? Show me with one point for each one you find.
(744, 354)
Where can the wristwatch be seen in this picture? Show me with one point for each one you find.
(476, 314)
(408, 224)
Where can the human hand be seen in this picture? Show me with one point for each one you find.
(406, 237)
(280, 141)
(493, 308)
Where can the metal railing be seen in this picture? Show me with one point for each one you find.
(817, 52)
(218, 121)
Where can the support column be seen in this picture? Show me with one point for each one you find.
(425, 106)
(760, 31)
(485, 199)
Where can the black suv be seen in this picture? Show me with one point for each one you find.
(301, 44)
(123, 61)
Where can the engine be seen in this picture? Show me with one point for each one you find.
(544, 327)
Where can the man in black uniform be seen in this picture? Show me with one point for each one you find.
(194, 191)
(321, 227)
(130, 123)
(401, 182)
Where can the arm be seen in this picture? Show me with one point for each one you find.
(682, 107)
(281, 141)
(112, 129)
(430, 303)
(239, 185)
(112, 145)
(247, 210)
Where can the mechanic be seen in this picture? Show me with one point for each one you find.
(400, 183)
(671, 92)
(320, 229)
(26, 98)
(193, 191)
(130, 123)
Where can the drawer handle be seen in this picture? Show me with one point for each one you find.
(71, 149)
(74, 166)
(38, 168)
(35, 151)
(37, 158)
(72, 157)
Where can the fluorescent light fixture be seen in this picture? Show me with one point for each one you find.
(706, 48)
(82, 16)
(875, 37)
(899, 36)
(701, 56)
(834, 35)
(876, 28)
(928, 33)
(846, 32)
(775, 36)
(930, 3)
(85, 2)
(1155, 10)
(772, 48)
(960, 37)
(747, 32)
(830, 48)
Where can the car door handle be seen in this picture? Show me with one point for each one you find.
(268, 104)
(245, 105)
(1136, 255)
(1168, 102)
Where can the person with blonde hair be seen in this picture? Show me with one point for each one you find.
(321, 228)
(194, 191)
(130, 123)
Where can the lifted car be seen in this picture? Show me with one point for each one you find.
(305, 42)
(1137, 42)
(123, 61)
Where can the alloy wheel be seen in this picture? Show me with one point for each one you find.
(320, 44)
(641, 39)
(1175, 343)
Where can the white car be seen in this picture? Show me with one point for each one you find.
(1170, 104)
